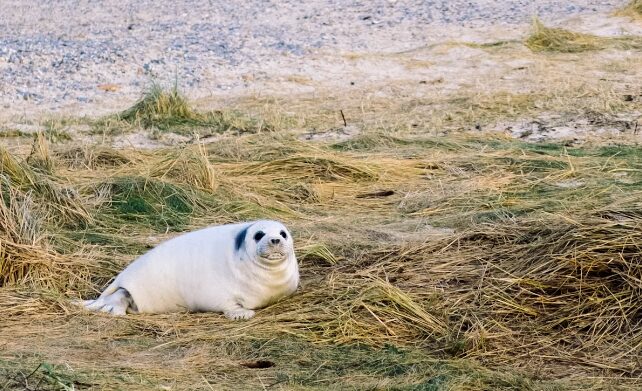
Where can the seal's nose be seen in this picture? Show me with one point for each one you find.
(275, 240)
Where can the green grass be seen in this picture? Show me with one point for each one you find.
(154, 203)
(44, 376)
(11, 133)
(520, 165)
(110, 242)
(381, 141)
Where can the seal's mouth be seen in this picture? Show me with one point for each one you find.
(273, 255)
(273, 251)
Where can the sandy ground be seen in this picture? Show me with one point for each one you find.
(91, 58)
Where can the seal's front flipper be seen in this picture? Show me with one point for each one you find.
(118, 303)
(239, 313)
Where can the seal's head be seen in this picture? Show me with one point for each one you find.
(269, 240)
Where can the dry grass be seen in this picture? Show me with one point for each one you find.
(632, 9)
(541, 271)
(59, 199)
(431, 257)
(549, 39)
(167, 109)
(190, 166)
(160, 106)
(93, 158)
(22, 236)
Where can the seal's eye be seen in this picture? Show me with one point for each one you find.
(284, 235)
(259, 235)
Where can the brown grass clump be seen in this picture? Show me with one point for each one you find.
(59, 200)
(33, 206)
(190, 166)
(545, 280)
(632, 9)
(159, 106)
(548, 39)
(169, 110)
(40, 156)
(316, 253)
(314, 167)
(374, 311)
(22, 236)
(94, 157)
(27, 255)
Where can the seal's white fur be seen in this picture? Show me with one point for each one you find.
(229, 268)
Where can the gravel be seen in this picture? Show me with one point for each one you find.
(56, 55)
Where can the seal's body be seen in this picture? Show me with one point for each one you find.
(232, 268)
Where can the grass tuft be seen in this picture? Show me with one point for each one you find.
(317, 253)
(190, 166)
(632, 9)
(159, 107)
(169, 110)
(548, 39)
(28, 257)
(93, 158)
(60, 201)
(40, 157)
(572, 276)
(22, 235)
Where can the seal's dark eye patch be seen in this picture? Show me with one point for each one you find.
(284, 235)
(259, 235)
(240, 238)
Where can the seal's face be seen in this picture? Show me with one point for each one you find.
(269, 240)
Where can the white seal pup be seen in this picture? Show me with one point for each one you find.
(233, 269)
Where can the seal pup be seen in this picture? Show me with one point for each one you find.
(233, 269)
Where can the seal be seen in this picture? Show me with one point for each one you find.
(233, 269)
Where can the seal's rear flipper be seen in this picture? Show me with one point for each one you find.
(117, 303)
